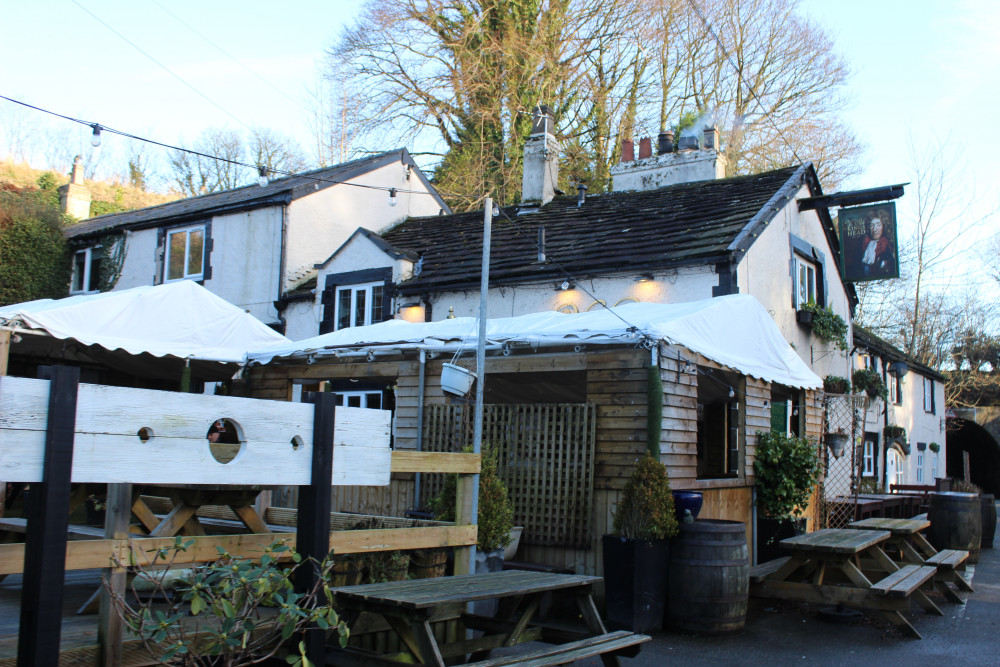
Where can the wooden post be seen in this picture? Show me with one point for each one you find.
(109, 625)
(4, 352)
(313, 531)
(48, 520)
(463, 517)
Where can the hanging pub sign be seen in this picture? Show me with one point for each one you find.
(868, 243)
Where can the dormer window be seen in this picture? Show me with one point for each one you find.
(86, 271)
(359, 305)
(185, 254)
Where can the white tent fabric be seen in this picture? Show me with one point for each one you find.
(180, 319)
(735, 331)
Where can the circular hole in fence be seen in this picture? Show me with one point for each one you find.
(297, 442)
(225, 439)
(145, 434)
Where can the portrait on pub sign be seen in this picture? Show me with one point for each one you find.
(868, 243)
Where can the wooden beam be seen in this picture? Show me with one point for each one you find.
(413, 461)
(109, 624)
(852, 198)
(4, 350)
(48, 519)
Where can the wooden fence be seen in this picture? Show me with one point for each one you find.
(55, 431)
(546, 459)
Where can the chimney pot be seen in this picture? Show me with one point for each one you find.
(665, 143)
(645, 148)
(688, 143)
(628, 150)
(711, 138)
(543, 121)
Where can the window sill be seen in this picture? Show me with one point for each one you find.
(717, 483)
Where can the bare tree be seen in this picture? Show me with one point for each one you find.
(466, 75)
(274, 151)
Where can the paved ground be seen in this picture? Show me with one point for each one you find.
(967, 634)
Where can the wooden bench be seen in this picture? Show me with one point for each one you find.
(761, 572)
(621, 642)
(947, 562)
(904, 581)
(74, 531)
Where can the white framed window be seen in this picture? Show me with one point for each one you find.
(929, 395)
(934, 466)
(869, 459)
(86, 271)
(920, 467)
(895, 390)
(185, 254)
(359, 305)
(360, 399)
(805, 282)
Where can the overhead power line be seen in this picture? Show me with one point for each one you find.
(261, 169)
(164, 67)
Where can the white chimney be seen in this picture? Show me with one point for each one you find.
(672, 167)
(541, 159)
(74, 197)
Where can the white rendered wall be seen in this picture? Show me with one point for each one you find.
(690, 284)
(659, 171)
(302, 319)
(139, 266)
(321, 223)
(766, 273)
(246, 259)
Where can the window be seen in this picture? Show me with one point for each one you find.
(360, 399)
(720, 415)
(86, 271)
(359, 305)
(895, 390)
(920, 466)
(933, 466)
(869, 458)
(929, 395)
(805, 282)
(185, 254)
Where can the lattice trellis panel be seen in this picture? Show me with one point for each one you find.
(842, 413)
(546, 459)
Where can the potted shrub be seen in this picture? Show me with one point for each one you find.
(870, 382)
(827, 325)
(496, 512)
(894, 433)
(934, 447)
(786, 468)
(834, 384)
(636, 553)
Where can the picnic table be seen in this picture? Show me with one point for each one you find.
(851, 508)
(409, 607)
(823, 567)
(906, 540)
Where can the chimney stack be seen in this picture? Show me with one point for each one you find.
(628, 150)
(665, 143)
(541, 159)
(711, 139)
(645, 148)
(74, 197)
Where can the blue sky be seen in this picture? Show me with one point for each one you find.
(930, 70)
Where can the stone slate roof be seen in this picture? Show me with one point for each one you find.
(691, 223)
(279, 191)
(863, 338)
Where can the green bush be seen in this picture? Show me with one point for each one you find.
(34, 259)
(869, 381)
(827, 325)
(496, 512)
(787, 468)
(646, 508)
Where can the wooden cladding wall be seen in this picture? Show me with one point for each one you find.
(546, 459)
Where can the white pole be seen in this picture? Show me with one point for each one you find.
(477, 433)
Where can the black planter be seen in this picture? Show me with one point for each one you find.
(770, 532)
(804, 317)
(635, 583)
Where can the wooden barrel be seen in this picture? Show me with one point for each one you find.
(709, 577)
(956, 522)
(428, 563)
(989, 510)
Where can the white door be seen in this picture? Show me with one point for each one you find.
(893, 469)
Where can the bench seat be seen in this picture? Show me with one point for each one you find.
(761, 572)
(562, 654)
(948, 559)
(904, 581)
(73, 531)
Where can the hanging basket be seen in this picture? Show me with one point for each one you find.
(456, 380)
(836, 442)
